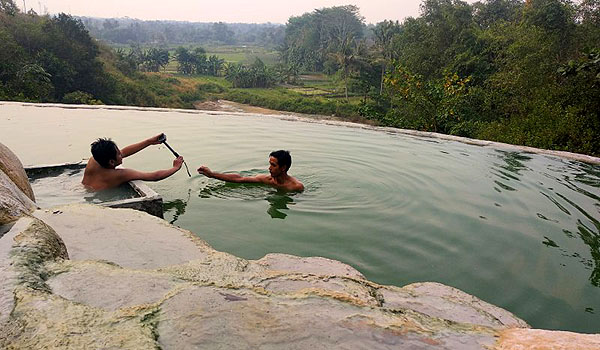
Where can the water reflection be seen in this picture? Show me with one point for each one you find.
(558, 205)
(277, 202)
(592, 239)
(179, 206)
(514, 161)
(510, 170)
(236, 191)
(576, 177)
(589, 175)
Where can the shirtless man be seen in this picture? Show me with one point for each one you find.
(100, 172)
(279, 164)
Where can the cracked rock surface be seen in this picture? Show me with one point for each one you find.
(89, 277)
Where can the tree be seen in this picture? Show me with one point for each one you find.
(348, 58)
(129, 61)
(154, 59)
(339, 26)
(588, 12)
(185, 60)
(385, 32)
(110, 24)
(314, 37)
(222, 33)
(257, 75)
(434, 105)
(70, 56)
(489, 12)
(199, 60)
(302, 44)
(34, 82)
(556, 18)
(215, 65)
(9, 7)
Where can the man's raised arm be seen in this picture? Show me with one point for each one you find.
(136, 147)
(231, 177)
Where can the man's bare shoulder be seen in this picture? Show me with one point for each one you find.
(97, 178)
(295, 184)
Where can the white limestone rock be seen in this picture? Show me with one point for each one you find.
(126, 237)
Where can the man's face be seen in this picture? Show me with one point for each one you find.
(274, 167)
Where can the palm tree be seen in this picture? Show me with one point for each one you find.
(215, 65)
(384, 36)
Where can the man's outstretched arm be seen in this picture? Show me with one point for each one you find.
(231, 177)
(131, 174)
(136, 147)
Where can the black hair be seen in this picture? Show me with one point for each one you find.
(283, 158)
(103, 151)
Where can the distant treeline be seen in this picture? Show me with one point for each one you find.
(127, 31)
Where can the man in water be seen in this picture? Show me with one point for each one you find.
(100, 172)
(279, 164)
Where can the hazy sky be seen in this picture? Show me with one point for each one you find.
(245, 11)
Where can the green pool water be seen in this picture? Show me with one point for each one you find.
(521, 231)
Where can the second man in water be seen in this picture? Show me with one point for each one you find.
(279, 164)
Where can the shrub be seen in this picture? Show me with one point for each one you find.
(211, 87)
(80, 97)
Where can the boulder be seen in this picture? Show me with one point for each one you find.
(12, 167)
(13, 202)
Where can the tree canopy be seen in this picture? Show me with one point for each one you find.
(44, 58)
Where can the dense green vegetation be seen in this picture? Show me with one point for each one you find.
(53, 59)
(506, 70)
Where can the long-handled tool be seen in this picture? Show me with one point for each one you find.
(163, 139)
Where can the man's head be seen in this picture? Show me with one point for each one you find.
(106, 153)
(279, 162)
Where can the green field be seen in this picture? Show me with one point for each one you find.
(244, 54)
(231, 54)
